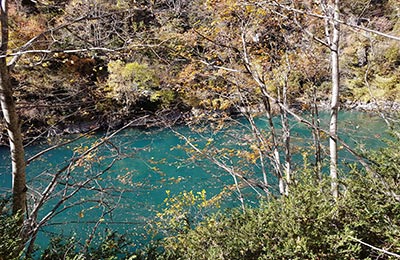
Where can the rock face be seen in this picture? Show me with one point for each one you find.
(388, 106)
(82, 127)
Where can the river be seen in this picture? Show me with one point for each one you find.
(154, 162)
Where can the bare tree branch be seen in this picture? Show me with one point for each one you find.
(251, 183)
(34, 157)
(375, 248)
(304, 12)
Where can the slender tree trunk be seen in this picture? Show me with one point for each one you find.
(275, 152)
(260, 144)
(286, 133)
(334, 99)
(316, 135)
(276, 161)
(12, 121)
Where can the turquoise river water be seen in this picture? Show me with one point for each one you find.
(151, 162)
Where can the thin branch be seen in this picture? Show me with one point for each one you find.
(47, 51)
(20, 53)
(216, 43)
(251, 183)
(219, 67)
(292, 9)
(97, 224)
(375, 248)
(51, 186)
(24, 48)
(53, 211)
(34, 157)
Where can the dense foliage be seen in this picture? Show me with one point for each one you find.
(192, 56)
(110, 246)
(9, 235)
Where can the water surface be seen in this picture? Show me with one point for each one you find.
(151, 162)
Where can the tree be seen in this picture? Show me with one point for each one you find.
(362, 223)
(13, 124)
(251, 57)
(30, 220)
(332, 30)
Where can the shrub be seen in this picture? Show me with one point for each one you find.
(309, 223)
(10, 240)
(128, 82)
(112, 245)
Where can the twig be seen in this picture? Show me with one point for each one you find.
(52, 148)
(375, 248)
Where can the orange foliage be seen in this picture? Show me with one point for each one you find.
(83, 66)
(75, 64)
(23, 27)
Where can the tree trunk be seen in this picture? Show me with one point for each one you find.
(334, 99)
(276, 161)
(12, 122)
(316, 136)
(275, 152)
(286, 132)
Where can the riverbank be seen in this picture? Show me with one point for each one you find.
(370, 107)
(168, 117)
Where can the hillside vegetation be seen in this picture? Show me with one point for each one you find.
(110, 61)
(74, 66)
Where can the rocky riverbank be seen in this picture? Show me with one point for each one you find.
(387, 106)
(370, 107)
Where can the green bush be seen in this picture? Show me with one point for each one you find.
(309, 223)
(111, 246)
(301, 226)
(371, 204)
(9, 237)
(127, 82)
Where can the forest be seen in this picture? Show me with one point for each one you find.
(260, 88)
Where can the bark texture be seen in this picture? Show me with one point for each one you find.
(335, 98)
(12, 121)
